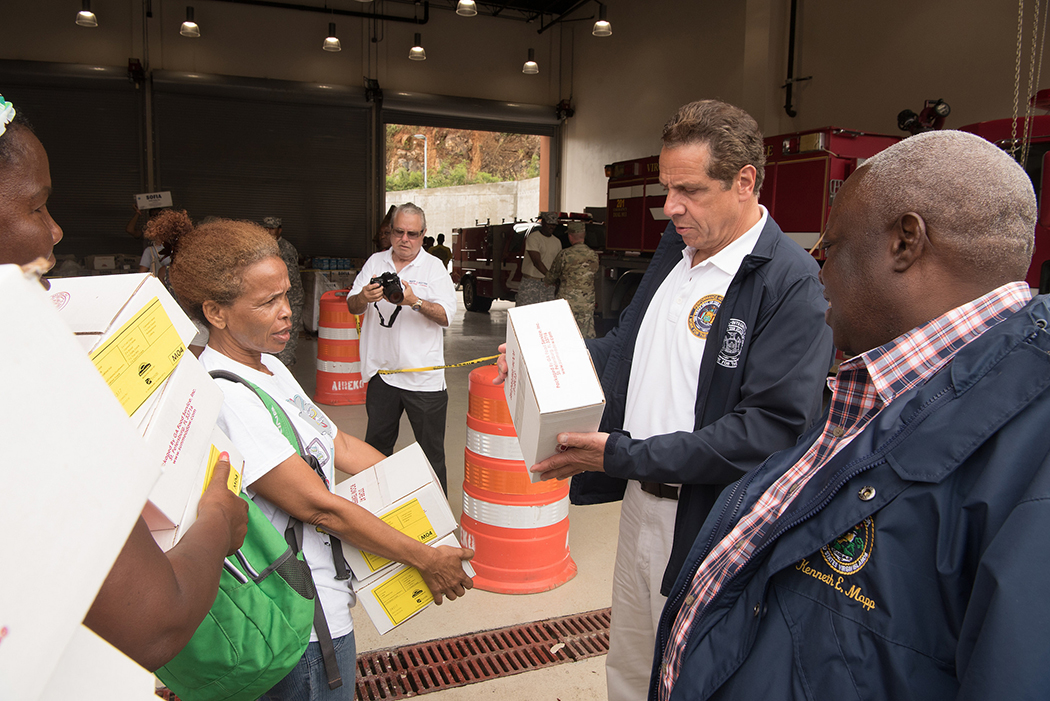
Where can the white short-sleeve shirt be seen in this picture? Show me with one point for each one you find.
(246, 420)
(413, 341)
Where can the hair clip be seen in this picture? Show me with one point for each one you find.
(7, 114)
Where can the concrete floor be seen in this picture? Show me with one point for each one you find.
(592, 541)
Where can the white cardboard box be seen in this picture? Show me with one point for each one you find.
(397, 594)
(177, 418)
(71, 464)
(403, 491)
(167, 537)
(93, 670)
(551, 385)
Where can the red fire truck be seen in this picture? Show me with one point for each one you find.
(804, 170)
(486, 259)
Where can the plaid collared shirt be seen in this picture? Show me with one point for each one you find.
(863, 387)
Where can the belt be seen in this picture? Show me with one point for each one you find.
(663, 491)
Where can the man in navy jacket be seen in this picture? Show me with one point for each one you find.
(718, 362)
(895, 552)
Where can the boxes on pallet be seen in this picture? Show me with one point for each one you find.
(551, 384)
(72, 466)
(136, 335)
(398, 593)
(403, 491)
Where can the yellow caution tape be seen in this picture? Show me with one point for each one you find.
(441, 367)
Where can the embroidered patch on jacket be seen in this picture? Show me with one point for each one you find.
(848, 553)
(732, 344)
(702, 315)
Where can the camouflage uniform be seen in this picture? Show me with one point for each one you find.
(574, 270)
(296, 297)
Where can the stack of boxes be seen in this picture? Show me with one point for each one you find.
(136, 335)
(403, 491)
(75, 476)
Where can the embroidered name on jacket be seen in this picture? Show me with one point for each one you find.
(732, 344)
(846, 556)
(702, 315)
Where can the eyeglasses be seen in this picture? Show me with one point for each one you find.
(398, 233)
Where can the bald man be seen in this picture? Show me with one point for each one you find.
(898, 551)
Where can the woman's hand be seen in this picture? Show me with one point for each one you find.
(443, 572)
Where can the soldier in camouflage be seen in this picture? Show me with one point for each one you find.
(296, 296)
(573, 269)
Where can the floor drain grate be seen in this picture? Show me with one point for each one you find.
(398, 673)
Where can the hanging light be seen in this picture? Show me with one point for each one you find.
(417, 53)
(602, 28)
(189, 27)
(531, 67)
(86, 18)
(467, 8)
(332, 42)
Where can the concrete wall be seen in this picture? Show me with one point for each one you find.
(868, 61)
(455, 207)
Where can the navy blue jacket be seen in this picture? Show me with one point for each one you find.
(941, 509)
(755, 396)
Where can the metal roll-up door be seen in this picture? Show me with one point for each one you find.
(247, 149)
(90, 120)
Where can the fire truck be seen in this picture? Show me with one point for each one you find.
(804, 170)
(486, 259)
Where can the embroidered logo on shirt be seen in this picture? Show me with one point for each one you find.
(848, 553)
(732, 344)
(702, 315)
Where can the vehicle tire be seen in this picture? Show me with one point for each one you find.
(471, 300)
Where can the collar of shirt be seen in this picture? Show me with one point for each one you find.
(729, 258)
(388, 257)
(902, 363)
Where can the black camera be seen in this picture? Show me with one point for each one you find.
(391, 287)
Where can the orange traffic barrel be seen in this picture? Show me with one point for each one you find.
(338, 355)
(519, 531)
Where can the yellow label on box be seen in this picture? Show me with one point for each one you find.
(403, 595)
(140, 356)
(411, 520)
(233, 482)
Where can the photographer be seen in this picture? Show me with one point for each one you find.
(405, 276)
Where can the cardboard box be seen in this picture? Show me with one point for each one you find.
(93, 670)
(397, 594)
(136, 334)
(551, 384)
(153, 200)
(168, 535)
(71, 465)
(403, 491)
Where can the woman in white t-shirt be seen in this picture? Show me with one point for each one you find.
(229, 275)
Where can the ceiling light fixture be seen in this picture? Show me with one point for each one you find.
(332, 42)
(467, 8)
(189, 27)
(417, 52)
(602, 28)
(531, 67)
(86, 18)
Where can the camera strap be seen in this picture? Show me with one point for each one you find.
(382, 321)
